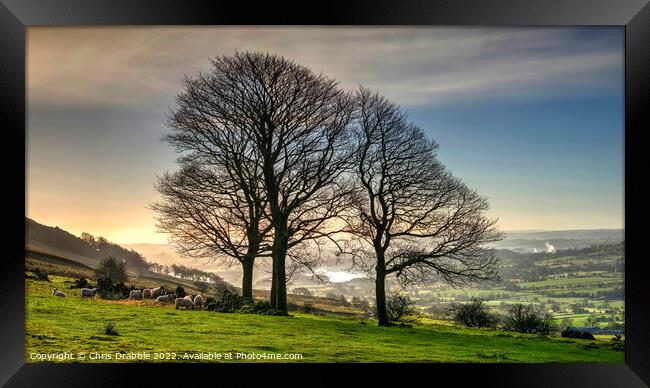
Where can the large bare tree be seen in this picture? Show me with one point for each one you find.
(215, 212)
(291, 125)
(413, 219)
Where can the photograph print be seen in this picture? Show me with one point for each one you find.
(325, 195)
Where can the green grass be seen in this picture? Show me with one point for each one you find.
(573, 281)
(56, 325)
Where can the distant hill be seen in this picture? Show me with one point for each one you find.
(54, 240)
(88, 250)
(550, 241)
(42, 236)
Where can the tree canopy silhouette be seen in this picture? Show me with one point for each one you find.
(271, 140)
(411, 217)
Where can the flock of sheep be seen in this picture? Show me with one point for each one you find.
(147, 293)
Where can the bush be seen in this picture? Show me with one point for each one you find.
(81, 283)
(473, 314)
(572, 332)
(180, 292)
(258, 307)
(39, 274)
(399, 307)
(228, 303)
(113, 269)
(108, 290)
(110, 329)
(307, 307)
(528, 319)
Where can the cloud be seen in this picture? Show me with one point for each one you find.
(140, 67)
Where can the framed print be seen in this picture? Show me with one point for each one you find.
(367, 192)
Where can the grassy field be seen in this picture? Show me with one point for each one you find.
(57, 325)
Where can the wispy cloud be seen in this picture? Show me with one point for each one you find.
(96, 98)
(140, 67)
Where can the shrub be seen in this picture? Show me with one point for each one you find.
(180, 292)
(307, 307)
(113, 269)
(81, 283)
(473, 314)
(399, 307)
(227, 303)
(108, 290)
(40, 274)
(572, 332)
(528, 319)
(258, 307)
(110, 329)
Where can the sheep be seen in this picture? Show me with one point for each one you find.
(189, 297)
(166, 298)
(58, 293)
(88, 293)
(183, 302)
(135, 294)
(147, 293)
(198, 301)
(160, 291)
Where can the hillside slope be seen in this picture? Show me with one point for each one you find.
(56, 325)
(60, 248)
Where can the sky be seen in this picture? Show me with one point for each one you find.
(531, 118)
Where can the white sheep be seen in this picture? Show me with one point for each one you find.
(160, 291)
(58, 293)
(135, 294)
(188, 297)
(182, 302)
(88, 293)
(166, 298)
(198, 301)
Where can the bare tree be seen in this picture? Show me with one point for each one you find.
(213, 206)
(291, 126)
(412, 218)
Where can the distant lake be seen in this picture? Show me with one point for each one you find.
(341, 276)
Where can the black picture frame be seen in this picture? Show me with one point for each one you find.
(16, 15)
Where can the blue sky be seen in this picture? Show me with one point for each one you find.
(531, 118)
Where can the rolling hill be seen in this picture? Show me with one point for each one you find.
(57, 247)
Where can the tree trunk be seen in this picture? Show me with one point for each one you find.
(380, 283)
(247, 281)
(380, 296)
(279, 281)
(273, 298)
